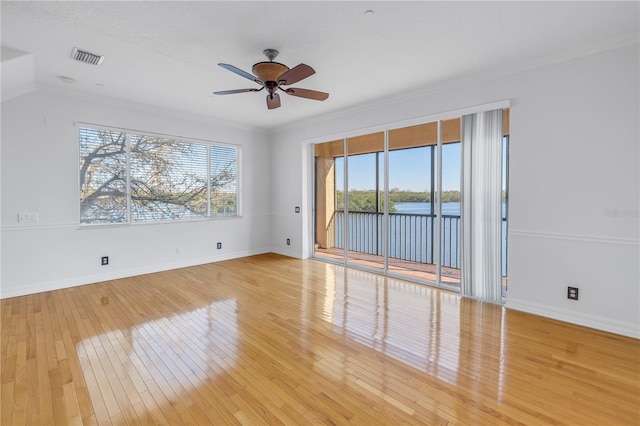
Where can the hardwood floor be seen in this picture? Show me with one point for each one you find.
(274, 340)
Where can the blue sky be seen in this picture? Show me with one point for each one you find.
(409, 169)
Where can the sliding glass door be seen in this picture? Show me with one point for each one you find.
(390, 201)
(329, 208)
(412, 182)
(365, 203)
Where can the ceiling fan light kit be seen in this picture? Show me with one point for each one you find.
(272, 76)
(269, 71)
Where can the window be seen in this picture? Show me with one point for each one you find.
(130, 177)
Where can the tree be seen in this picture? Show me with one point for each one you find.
(363, 201)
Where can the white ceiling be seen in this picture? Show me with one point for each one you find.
(165, 53)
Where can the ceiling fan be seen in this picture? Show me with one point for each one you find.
(273, 76)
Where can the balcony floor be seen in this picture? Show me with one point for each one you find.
(419, 270)
(425, 271)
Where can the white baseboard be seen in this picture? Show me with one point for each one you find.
(122, 273)
(591, 321)
(289, 253)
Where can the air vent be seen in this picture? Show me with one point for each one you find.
(86, 57)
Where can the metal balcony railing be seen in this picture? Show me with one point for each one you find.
(411, 236)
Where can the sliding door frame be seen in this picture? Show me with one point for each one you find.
(344, 136)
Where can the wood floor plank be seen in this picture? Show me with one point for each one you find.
(41, 386)
(7, 403)
(9, 344)
(49, 319)
(274, 340)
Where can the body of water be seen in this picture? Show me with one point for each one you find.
(425, 208)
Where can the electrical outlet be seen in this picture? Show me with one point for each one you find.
(219, 246)
(297, 209)
(288, 242)
(28, 217)
(572, 293)
(105, 260)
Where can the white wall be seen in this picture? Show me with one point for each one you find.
(574, 182)
(40, 174)
(574, 185)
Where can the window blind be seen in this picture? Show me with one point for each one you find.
(137, 177)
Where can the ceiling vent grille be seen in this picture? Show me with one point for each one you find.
(86, 57)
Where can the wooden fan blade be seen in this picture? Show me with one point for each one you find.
(230, 92)
(241, 73)
(306, 93)
(295, 74)
(273, 101)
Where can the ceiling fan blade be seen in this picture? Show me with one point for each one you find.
(231, 92)
(295, 74)
(241, 73)
(273, 101)
(306, 93)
